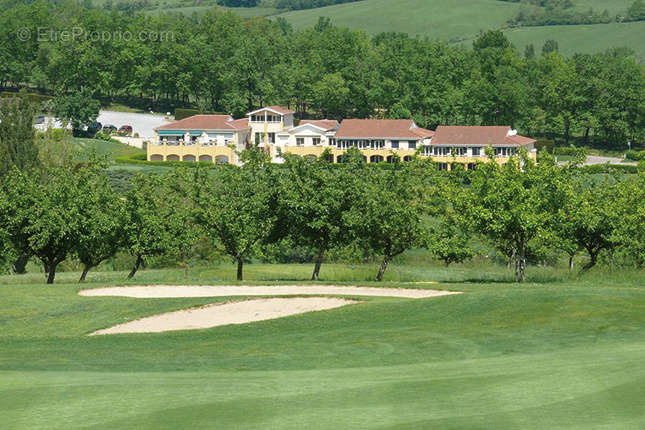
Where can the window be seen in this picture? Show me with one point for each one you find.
(271, 137)
(504, 152)
(440, 151)
(477, 151)
(258, 138)
(460, 151)
(442, 166)
(412, 144)
(300, 141)
(315, 141)
(395, 144)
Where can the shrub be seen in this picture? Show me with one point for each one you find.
(635, 155)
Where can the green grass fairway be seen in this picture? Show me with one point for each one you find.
(441, 19)
(546, 355)
(583, 38)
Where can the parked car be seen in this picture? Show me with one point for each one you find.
(109, 129)
(40, 119)
(125, 130)
(94, 128)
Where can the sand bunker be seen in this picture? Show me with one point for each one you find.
(167, 291)
(225, 314)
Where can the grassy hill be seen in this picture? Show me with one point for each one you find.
(442, 19)
(583, 38)
(458, 20)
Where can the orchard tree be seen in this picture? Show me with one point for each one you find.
(18, 149)
(103, 220)
(153, 221)
(234, 206)
(630, 228)
(315, 196)
(388, 213)
(590, 216)
(513, 203)
(44, 211)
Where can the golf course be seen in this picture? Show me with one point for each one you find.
(564, 350)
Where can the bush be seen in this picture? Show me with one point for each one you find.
(635, 155)
(104, 136)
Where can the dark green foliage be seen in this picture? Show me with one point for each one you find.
(76, 109)
(18, 147)
(301, 4)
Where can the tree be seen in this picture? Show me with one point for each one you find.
(17, 135)
(103, 218)
(636, 11)
(330, 95)
(513, 203)
(77, 110)
(630, 228)
(550, 46)
(153, 223)
(44, 212)
(589, 217)
(18, 149)
(449, 242)
(315, 196)
(389, 211)
(234, 206)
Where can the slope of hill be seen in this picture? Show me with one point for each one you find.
(462, 20)
(442, 19)
(583, 38)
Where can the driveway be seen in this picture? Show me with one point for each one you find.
(142, 123)
(593, 159)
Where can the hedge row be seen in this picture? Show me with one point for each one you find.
(142, 159)
(610, 168)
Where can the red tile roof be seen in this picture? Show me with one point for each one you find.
(206, 122)
(422, 132)
(326, 124)
(379, 128)
(478, 135)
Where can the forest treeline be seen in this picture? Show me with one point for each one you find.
(55, 209)
(221, 63)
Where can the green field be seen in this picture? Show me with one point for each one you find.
(583, 38)
(614, 7)
(458, 20)
(564, 353)
(440, 19)
(244, 12)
